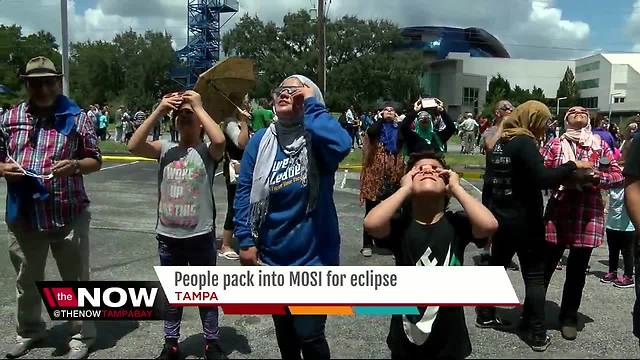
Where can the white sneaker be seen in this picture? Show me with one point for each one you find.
(79, 349)
(366, 252)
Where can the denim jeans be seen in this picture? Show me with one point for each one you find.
(301, 333)
(195, 251)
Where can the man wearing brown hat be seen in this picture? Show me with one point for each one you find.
(50, 143)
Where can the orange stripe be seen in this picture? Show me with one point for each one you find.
(321, 310)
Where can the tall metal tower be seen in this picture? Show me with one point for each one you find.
(203, 37)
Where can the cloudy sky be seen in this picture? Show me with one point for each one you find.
(528, 28)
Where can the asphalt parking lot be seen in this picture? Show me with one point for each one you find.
(123, 247)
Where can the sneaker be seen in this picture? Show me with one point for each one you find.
(22, 347)
(608, 278)
(540, 345)
(569, 332)
(170, 351)
(366, 252)
(495, 323)
(624, 282)
(212, 350)
(513, 266)
(79, 349)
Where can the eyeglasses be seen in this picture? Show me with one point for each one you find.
(28, 172)
(577, 111)
(290, 90)
(389, 109)
(38, 83)
(506, 108)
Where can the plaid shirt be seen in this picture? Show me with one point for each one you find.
(36, 145)
(576, 218)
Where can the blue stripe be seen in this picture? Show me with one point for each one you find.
(386, 310)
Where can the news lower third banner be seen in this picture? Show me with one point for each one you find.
(279, 290)
(335, 290)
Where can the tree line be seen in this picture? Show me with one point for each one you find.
(133, 69)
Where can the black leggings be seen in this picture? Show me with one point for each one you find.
(621, 241)
(577, 263)
(530, 251)
(367, 240)
(231, 194)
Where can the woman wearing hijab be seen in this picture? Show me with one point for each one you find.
(285, 214)
(515, 176)
(575, 213)
(382, 168)
(421, 132)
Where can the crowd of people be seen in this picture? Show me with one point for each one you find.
(279, 167)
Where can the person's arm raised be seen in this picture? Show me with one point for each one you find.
(483, 223)
(243, 138)
(378, 222)
(211, 128)
(138, 144)
(331, 143)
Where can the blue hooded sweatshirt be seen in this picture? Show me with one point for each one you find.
(290, 235)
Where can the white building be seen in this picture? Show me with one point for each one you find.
(462, 81)
(610, 82)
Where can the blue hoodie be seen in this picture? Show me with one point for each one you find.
(290, 235)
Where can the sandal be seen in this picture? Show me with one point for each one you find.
(229, 255)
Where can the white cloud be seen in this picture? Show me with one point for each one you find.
(633, 25)
(515, 22)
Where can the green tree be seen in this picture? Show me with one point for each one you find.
(363, 65)
(569, 89)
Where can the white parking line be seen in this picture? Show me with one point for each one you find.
(119, 165)
(344, 179)
(470, 184)
(218, 173)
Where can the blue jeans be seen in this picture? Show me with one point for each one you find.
(301, 333)
(195, 251)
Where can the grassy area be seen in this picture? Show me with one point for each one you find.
(112, 147)
(454, 160)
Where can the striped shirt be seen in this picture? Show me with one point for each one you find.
(36, 145)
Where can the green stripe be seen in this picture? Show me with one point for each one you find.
(386, 310)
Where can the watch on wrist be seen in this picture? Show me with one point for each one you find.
(76, 165)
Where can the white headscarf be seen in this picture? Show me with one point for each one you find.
(295, 141)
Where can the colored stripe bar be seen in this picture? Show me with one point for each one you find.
(321, 310)
(258, 309)
(47, 295)
(386, 310)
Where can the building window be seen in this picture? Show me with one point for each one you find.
(588, 84)
(588, 67)
(618, 100)
(589, 103)
(470, 96)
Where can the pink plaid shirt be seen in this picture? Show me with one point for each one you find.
(576, 218)
(35, 145)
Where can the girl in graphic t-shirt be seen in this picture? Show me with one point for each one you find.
(185, 227)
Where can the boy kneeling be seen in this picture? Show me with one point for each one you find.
(425, 234)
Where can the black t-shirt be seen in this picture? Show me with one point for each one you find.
(438, 244)
(632, 162)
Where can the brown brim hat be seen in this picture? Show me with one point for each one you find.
(40, 67)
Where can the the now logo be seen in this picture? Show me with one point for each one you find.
(115, 297)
